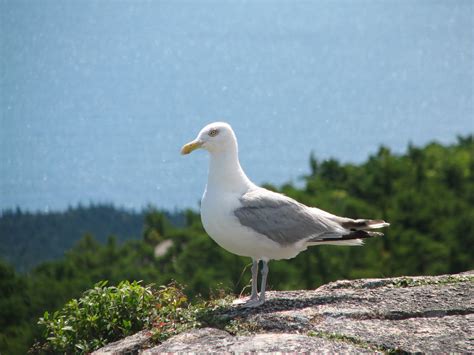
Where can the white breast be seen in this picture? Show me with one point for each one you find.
(224, 228)
(226, 183)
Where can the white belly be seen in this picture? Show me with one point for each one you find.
(224, 228)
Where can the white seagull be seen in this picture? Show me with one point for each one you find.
(251, 221)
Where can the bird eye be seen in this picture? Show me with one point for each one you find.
(213, 132)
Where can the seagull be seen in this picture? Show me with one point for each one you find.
(254, 222)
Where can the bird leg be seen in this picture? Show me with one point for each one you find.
(261, 300)
(254, 294)
(264, 281)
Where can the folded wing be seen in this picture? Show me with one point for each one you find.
(287, 221)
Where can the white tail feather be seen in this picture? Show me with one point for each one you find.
(379, 225)
(350, 242)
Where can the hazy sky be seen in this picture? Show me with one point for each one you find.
(97, 97)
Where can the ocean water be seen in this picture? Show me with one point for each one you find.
(97, 98)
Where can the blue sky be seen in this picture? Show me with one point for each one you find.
(98, 96)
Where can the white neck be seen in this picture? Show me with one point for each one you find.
(225, 172)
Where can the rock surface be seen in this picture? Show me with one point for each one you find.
(132, 344)
(412, 314)
(214, 340)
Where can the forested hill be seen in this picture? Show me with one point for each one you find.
(427, 194)
(27, 239)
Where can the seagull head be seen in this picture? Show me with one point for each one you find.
(215, 137)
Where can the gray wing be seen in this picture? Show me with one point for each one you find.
(283, 219)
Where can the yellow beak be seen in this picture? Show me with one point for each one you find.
(188, 148)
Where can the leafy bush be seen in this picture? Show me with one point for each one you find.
(103, 314)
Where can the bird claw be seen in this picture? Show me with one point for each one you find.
(244, 300)
(253, 303)
(239, 301)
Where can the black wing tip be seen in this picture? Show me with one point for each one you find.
(358, 234)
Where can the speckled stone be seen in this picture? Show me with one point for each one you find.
(214, 340)
(129, 345)
(412, 314)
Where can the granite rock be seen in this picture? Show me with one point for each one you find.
(412, 314)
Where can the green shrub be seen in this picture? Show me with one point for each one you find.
(175, 314)
(102, 315)
(105, 314)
